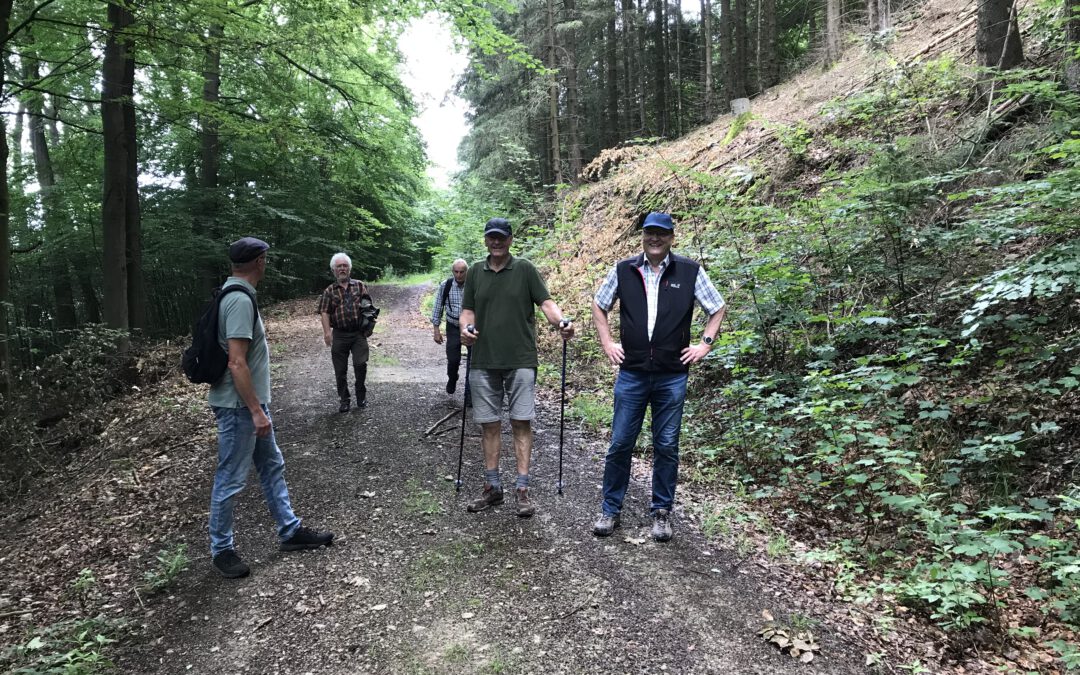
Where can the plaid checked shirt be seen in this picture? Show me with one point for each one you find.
(342, 304)
(704, 292)
(453, 303)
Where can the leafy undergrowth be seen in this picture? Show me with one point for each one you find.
(897, 382)
(132, 440)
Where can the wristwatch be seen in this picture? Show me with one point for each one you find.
(708, 340)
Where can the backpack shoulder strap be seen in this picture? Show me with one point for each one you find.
(446, 291)
(237, 287)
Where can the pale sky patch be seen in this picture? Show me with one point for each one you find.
(432, 66)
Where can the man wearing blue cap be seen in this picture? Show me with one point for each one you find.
(656, 291)
(500, 301)
(240, 401)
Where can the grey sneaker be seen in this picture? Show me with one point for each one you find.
(605, 525)
(492, 496)
(525, 507)
(661, 527)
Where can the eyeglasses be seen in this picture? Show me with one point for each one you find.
(656, 234)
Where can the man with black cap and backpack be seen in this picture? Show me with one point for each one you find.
(448, 297)
(240, 401)
(499, 306)
(656, 290)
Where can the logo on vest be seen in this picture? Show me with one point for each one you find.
(675, 285)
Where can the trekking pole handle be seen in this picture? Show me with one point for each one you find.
(565, 322)
(471, 329)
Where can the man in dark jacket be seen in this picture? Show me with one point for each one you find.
(656, 291)
(347, 321)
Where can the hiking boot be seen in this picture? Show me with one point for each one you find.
(525, 507)
(344, 407)
(362, 403)
(451, 386)
(230, 565)
(605, 525)
(306, 538)
(661, 527)
(492, 496)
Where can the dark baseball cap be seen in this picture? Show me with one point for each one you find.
(658, 219)
(498, 226)
(247, 249)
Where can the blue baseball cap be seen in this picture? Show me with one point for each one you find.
(498, 226)
(658, 219)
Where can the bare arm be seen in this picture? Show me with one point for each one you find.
(613, 349)
(241, 374)
(695, 353)
(555, 318)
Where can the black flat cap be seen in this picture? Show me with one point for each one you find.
(247, 249)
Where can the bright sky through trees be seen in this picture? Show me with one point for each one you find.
(432, 67)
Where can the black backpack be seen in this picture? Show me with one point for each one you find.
(446, 291)
(205, 362)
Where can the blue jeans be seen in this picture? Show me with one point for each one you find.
(666, 393)
(238, 448)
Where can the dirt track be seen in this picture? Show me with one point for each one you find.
(414, 583)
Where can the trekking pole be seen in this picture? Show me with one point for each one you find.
(562, 405)
(464, 408)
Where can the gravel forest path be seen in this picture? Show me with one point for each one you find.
(415, 584)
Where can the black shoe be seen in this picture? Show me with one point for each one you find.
(230, 565)
(306, 538)
(362, 403)
(451, 386)
(344, 407)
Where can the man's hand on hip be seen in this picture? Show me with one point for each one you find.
(694, 354)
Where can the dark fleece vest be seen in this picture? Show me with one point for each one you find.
(674, 311)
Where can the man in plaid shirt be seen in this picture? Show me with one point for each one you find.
(656, 291)
(345, 309)
(452, 304)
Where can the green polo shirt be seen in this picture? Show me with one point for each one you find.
(505, 306)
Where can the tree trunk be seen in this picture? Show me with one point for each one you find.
(677, 9)
(727, 48)
(5, 221)
(1072, 35)
(768, 60)
(642, 85)
(626, 113)
(16, 137)
(572, 95)
(832, 32)
(611, 81)
(136, 290)
(115, 183)
(706, 73)
(553, 98)
(742, 50)
(660, 63)
(997, 35)
(57, 256)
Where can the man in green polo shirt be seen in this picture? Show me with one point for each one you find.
(499, 303)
